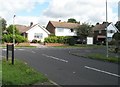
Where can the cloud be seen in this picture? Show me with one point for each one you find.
(10, 7)
(91, 11)
(84, 10)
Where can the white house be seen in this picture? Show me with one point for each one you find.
(36, 31)
(111, 30)
(62, 28)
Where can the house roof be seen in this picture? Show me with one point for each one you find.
(100, 26)
(64, 24)
(41, 28)
(22, 28)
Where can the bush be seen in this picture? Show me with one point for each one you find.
(8, 38)
(34, 41)
(72, 41)
(57, 39)
(20, 39)
(39, 41)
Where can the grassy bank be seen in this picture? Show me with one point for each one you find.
(20, 74)
(101, 57)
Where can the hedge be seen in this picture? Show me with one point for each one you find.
(8, 38)
(60, 39)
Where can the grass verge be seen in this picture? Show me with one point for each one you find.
(80, 46)
(20, 74)
(100, 57)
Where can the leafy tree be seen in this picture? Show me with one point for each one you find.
(116, 36)
(10, 30)
(84, 30)
(72, 20)
(118, 25)
(3, 23)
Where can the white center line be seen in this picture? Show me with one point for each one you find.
(55, 58)
(102, 71)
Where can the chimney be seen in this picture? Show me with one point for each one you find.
(59, 20)
(31, 23)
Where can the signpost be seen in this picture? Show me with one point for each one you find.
(10, 47)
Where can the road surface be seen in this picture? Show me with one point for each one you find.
(65, 69)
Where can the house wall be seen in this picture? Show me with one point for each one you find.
(36, 29)
(111, 30)
(64, 32)
(50, 28)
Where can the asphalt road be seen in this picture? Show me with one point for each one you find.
(65, 69)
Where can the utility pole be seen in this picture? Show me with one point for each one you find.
(14, 29)
(106, 32)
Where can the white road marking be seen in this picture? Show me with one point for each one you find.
(109, 73)
(55, 58)
(33, 52)
(6, 49)
(21, 49)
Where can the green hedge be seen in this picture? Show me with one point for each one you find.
(59, 39)
(8, 38)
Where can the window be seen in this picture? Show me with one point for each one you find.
(100, 31)
(112, 31)
(38, 35)
(60, 29)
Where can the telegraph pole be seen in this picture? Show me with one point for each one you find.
(106, 32)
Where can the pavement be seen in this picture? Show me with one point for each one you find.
(38, 45)
(65, 69)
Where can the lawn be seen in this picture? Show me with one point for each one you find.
(20, 74)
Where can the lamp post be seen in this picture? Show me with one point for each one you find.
(14, 29)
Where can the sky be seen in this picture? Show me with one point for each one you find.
(119, 11)
(43, 11)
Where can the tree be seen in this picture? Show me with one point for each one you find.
(84, 30)
(3, 23)
(10, 30)
(72, 20)
(116, 36)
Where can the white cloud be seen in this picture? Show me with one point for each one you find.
(10, 7)
(91, 11)
(84, 10)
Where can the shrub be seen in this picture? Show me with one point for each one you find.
(20, 39)
(57, 39)
(39, 41)
(8, 38)
(72, 41)
(34, 41)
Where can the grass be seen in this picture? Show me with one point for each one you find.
(20, 74)
(101, 57)
(104, 58)
(0, 73)
(80, 46)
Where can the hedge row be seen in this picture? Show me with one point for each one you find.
(57, 39)
(9, 38)
(60, 39)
